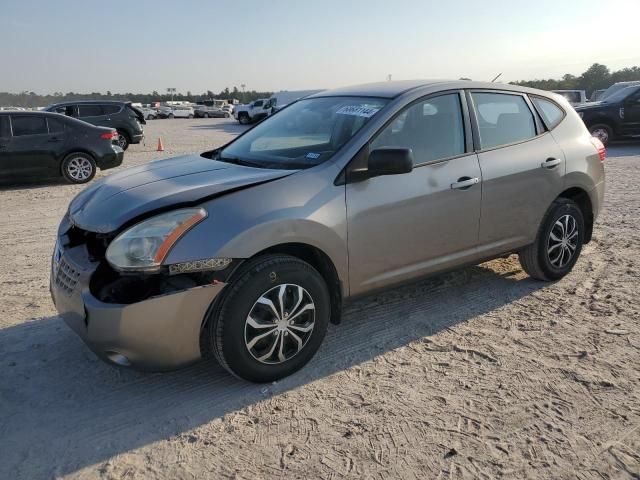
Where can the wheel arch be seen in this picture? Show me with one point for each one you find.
(71, 151)
(582, 198)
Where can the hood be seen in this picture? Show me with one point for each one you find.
(115, 200)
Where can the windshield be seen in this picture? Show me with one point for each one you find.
(304, 134)
(616, 87)
(621, 94)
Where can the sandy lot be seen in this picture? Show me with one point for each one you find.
(481, 373)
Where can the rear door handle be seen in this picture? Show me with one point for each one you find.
(465, 182)
(551, 163)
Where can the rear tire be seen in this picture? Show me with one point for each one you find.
(279, 299)
(243, 118)
(602, 132)
(78, 168)
(558, 243)
(123, 140)
(190, 116)
(206, 115)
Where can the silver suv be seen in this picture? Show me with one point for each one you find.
(247, 252)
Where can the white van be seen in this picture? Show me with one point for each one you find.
(183, 112)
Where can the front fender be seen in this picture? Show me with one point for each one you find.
(303, 208)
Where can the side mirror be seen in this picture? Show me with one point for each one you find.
(385, 161)
(390, 161)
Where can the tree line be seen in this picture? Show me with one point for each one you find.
(596, 77)
(32, 99)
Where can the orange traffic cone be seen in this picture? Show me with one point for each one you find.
(160, 145)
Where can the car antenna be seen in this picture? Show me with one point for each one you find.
(496, 77)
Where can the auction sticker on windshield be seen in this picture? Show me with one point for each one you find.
(358, 111)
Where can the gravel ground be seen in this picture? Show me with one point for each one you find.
(480, 373)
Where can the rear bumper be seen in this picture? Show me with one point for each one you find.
(137, 138)
(111, 159)
(160, 333)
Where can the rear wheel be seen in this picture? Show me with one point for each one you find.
(243, 118)
(78, 167)
(190, 116)
(271, 319)
(206, 115)
(602, 132)
(558, 243)
(123, 140)
(226, 115)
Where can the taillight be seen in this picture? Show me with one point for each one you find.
(109, 135)
(602, 152)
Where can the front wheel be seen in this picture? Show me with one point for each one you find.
(558, 243)
(602, 132)
(206, 115)
(243, 119)
(271, 319)
(78, 168)
(190, 116)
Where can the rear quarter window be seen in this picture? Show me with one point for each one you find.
(551, 113)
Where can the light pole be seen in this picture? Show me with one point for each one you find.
(172, 91)
(244, 98)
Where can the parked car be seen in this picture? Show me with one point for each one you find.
(242, 252)
(126, 119)
(574, 97)
(202, 111)
(597, 95)
(165, 112)
(39, 144)
(228, 108)
(253, 112)
(183, 112)
(149, 113)
(616, 116)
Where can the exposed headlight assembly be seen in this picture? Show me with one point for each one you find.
(144, 246)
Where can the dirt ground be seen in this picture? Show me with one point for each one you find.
(480, 373)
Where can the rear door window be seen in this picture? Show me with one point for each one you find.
(503, 119)
(90, 111)
(5, 126)
(111, 109)
(29, 125)
(551, 113)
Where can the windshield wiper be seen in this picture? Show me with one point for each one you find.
(238, 161)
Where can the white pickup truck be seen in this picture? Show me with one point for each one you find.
(255, 111)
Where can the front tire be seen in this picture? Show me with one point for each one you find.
(602, 132)
(190, 116)
(558, 242)
(271, 319)
(78, 168)
(243, 119)
(206, 115)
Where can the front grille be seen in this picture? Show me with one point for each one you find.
(66, 277)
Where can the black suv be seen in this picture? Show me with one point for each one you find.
(126, 119)
(616, 116)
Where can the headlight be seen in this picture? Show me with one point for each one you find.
(145, 245)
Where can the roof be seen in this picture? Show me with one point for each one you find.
(396, 88)
(73, 102)
(15, 113)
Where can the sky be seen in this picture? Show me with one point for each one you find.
(270, 45)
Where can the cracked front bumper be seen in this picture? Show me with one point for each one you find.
(159, 333)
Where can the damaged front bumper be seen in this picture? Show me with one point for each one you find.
(158, 333)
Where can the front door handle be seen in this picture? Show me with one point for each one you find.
(465, 182)
(551, 163)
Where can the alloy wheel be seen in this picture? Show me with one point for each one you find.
(601, 134)
(279, 324)
(562, 241)
(79, 169)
